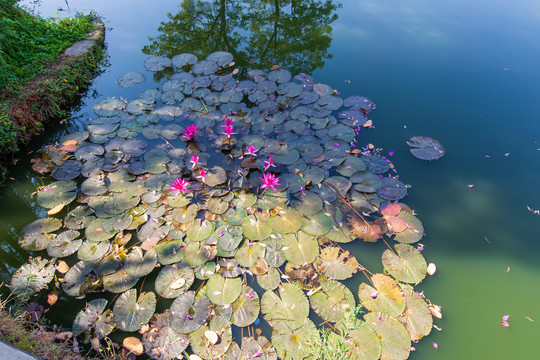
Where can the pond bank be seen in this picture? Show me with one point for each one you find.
(25, 109)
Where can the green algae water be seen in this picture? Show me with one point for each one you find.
(461, 72)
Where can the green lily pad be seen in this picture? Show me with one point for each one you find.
(270, 280)
(36, 235)
(332, 300)
(392, 189)
(340, 235)
(32, 277)
(351, 165)
(246, 308)
(161, 341)
(339, 184)
(417, 317)
(200, 230)
(386, 297)
(414, 231)
(273, 254)
(336, 264)
(314, 174)
(131, 313)
(170, 252)
(138, 265)
(251, 349)
(317, 225)
(244, 198)
(94, 185)
(108, 107)
(248, 254)
(94, 317)
(187, 314)
(174, 280)
(366, 343)
(92, 250)
(157, 63)
(79, 218)
(408, 265)
(300, 248)
(196, 254)
(95, 232)
(223, 291)
(287, 221)
(206, 349)
(255, 229)
(365, 181)
(216, 176)
(289, 309)
(57, 193)
(119, 281)
(395, 341)
(79, 279)
(64, 244)
(129, 79)
(186, 214)
(295, 344)
(180, 200)
(426, 148)
(308, 203)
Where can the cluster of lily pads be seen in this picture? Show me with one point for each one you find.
(229, 249)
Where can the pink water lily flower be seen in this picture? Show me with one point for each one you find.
(268, 164)
(251, 150)
(269, 181)
(179, 185)
(504, 321)
(191, 131)
(228, 121)
(202, 174)
(228, 131)
(195, 161)
(256, 355)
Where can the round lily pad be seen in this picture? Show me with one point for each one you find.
(129, 79)
(94, 317)
(174, 280)
(138, 265)
(289, 309)
(64, 244)
(336, 264)
(408, 265)
(200, 230)
(426, 148)
(130, 312)
(395, 341)
(414, 231)
(223, 291)
(79, 218)
(308, 203)
(386, 297)
(79, 279)
(36, 235)
(187, 314)
(270, 280)
(294, 344)
(196, 254)
(57, 193)
(417, 317)
(317, 224)
(119, 281)
(332, 300)
(392, 189)
(300, 248)
(248, 254)
(213, 340)
(246, 308)
(32, 277)
(221, 58)
(286, 221)
(255, 229)
(95, 232)
(161, 341)
(157, 63)
(108, 107)
(366, 344)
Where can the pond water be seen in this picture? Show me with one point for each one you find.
(464, 73)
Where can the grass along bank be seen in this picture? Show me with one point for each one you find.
(38, 81)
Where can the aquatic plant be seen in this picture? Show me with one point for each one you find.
(192, 220)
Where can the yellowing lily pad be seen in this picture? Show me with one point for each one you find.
(332, 300)
(386, 297)
(300, 248)
(408, 265)
(417, 317)
(289, 308)
(246, 308)
(223, 291)
(395, 341)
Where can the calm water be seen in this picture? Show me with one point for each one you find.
(463, 72)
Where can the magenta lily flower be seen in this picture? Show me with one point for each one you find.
(202, 174)
(191, 131)
(251, 150)
(268, 164)
(228, 131)
(228, 121)
(195, 161)
(179, 185)
(504, 321)
(269, 181)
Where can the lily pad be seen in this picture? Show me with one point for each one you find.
(288, 310)
(187, 314)
(32, 277)
(408, 265)
(255, 229)
(138, 265)
(286, 221)
(119, 281)
(79, 279)
(248, 254)
(336, 264)
(130, 312)
(206, 342)
(161, 341)
(94, 317)
(300, 248)
(246, 308)
(157, 63)
(109, 107)
(129, 79)
(332, 300)
(317, 224)
(426, 148)
(57, 193)
(64, 244)
(196, 254)
(395, 341)
(295, 344)
(270, 280)
(414, 231)
(417, 317)
(36, 235)
(223, 291)
(392, 189)
(386, 297)
(174, 280)
(308, 203)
